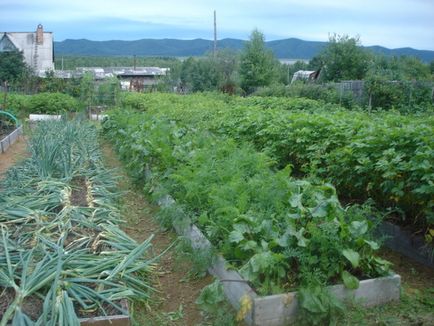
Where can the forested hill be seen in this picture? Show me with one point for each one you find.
(288, 48)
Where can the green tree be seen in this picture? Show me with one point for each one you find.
(343, 59)
(199, 74)
(257, 63)
(12, 66)
(227, 63)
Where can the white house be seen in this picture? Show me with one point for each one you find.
(37, 47)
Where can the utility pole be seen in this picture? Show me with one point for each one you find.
(215, 35)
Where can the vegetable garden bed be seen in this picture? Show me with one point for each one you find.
(63, 258)
(280, 233)
(280, 309)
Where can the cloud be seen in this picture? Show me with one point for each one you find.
(393, 23)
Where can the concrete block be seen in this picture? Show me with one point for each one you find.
(44, 117)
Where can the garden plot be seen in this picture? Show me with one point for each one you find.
(281, 234)
(280, 309)
(63, 258)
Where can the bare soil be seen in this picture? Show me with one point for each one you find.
(79, 192)
(416, 276)
(32, 305)
(176, 292)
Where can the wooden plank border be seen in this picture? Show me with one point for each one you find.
(113, 320)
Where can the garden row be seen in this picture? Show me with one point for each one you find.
(62, 255)
(384, 156)
(279, 232)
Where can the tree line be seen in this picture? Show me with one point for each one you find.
(388, 81)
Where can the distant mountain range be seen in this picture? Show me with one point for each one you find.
(291, 48)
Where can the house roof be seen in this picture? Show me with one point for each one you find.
(7, 44)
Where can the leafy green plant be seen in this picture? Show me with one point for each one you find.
(212, 303)
(52, 103)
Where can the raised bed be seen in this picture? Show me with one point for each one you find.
(281, 309)
(7, 141)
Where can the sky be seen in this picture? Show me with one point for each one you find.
(390, 23)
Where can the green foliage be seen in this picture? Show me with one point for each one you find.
(211, 302)
(133, 100)
(257, 63)
(384, 156)
(108, 92)
(12, 66)
(52, 84)
(198, 75)
(280, 232)
(210, 73)
(319, 307)
(52, 103)
(326, 93)
(199, 259)
(87, 89)
(414, 308)
(16, 103)
(397, 84)
(343, 59)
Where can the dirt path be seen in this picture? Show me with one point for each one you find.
(174, 304)
(14, 154)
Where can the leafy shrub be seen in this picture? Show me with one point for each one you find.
(16, 103)
(133, 100)
(383, 155)
(283, 103)
(404, 96)
(52, 103)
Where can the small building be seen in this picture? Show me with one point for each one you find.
(140, 78)
(305, 75)
(37, 48)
